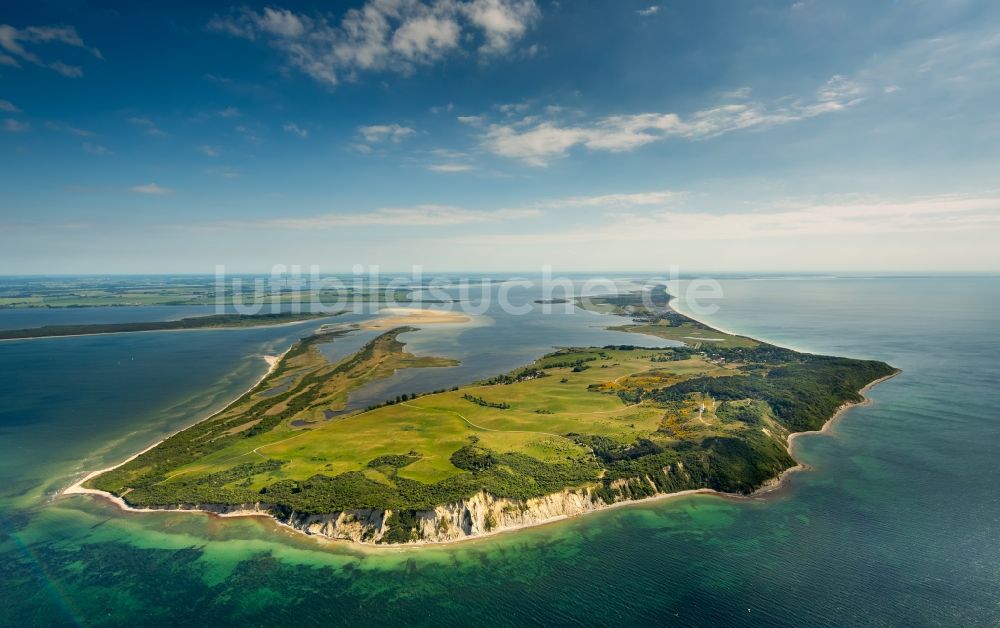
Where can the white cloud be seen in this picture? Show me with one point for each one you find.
(151, 188)
(54, 126)
(95, 149)
(147, 125)
(14, 126)
(215, 78)
(614, 201)
(431, 215)
(209, 151)
(295, 129)
(944, 213)
(225, 172)
(838, 92)
(419, 216)
(450, 167)
(447, 153)
(535, 146)
(503, 21)
(385, 133)
(229, 112)
(16, 41)
(8, 106)
(650, 10)
(425, 38)
(281, 22)
(510, 109)
(740, 93)
(394, 35)
(65, 69)
(249, 134)
(537, 143)
(958, 65)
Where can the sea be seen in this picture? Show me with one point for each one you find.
(894, 522)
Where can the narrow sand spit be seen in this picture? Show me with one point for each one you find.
(397, 316)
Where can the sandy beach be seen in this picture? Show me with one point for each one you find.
(399, 316)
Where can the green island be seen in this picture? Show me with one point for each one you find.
(577, 430)
(213, 321)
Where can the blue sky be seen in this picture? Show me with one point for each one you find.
(500, 135)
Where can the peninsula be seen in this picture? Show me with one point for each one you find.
(578, 430)
(213, 321)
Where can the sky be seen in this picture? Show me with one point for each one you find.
(500, 135)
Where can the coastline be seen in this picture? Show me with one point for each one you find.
(777, 482)
(770, 486)
(77, 488)
(162, 331)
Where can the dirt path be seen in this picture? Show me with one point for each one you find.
(252, 451)
(701, 411)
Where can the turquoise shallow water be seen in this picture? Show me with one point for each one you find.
(898, 522)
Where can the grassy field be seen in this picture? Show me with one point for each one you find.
(690, 333)
(300, 392)
(543, 410)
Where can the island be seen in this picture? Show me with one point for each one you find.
(578, 430)
(554, 301)
(212, 321)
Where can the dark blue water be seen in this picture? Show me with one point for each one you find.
(38, 317)
(897, 523)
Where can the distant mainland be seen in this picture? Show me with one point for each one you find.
(213, 321)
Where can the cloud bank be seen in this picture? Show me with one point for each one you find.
(538, 143)
(16, 43)
(383, 35)
(151, 189)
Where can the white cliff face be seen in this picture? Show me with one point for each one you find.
(476, 516)
(484, 514)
